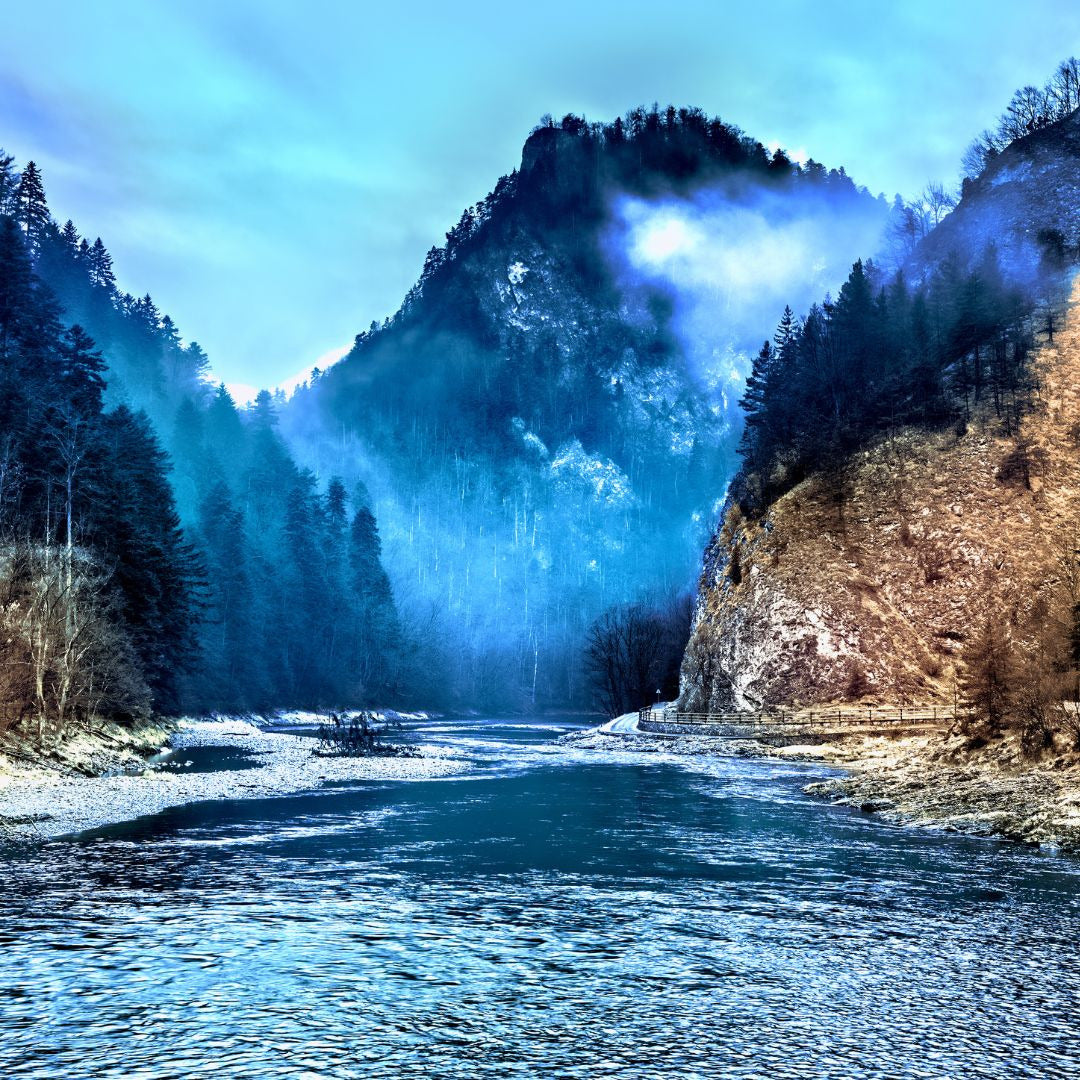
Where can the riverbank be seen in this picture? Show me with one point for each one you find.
(45, 801)
(929, 780)
(938, 781)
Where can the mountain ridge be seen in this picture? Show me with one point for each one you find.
(551, 390)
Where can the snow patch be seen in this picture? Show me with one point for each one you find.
(1011, 174)
(532, 441)
(602, 478)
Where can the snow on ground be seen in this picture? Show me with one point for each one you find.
(307, 718)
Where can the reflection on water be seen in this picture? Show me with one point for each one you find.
(552, 913)
(201, 759)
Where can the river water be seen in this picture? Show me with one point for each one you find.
(551, 913)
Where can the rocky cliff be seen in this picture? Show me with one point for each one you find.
(1026, 202)
(866, 584)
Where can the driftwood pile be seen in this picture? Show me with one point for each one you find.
(360, 735)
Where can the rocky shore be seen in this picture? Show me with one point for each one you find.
(938, 781)
(925, 780)
(42, 802)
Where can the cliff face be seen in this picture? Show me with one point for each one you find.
(866, 583)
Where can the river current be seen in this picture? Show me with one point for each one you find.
(551, 913)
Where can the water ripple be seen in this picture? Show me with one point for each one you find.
(547, 915)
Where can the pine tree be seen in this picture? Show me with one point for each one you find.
(989, 681)
(16, 291)
(9, 181)
(264, 411)
(233, 674)
(133, 518)
(82, 375)
(70, 237)
(101, 268)
(336, 512)
(146, 312)
(31, 209)
(170, 335)
(224, 428)
(754, 444)
(378, 631)
(197, 361)
(753, 400)
(786, 331)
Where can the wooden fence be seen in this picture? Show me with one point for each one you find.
(782, 721)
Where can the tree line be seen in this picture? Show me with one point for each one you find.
(633, 652)
(159, 547)
(884, 354)
(1031, 109)
(1021, 662)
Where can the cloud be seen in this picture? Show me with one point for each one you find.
(731, 257)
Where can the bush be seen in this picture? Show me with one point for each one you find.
(1036, 714)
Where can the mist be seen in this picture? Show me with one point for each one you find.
(730, 257)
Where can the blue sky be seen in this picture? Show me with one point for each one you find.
(273, 173)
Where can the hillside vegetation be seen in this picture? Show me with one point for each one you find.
(906, 523)
(940, 531)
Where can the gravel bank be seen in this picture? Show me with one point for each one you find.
(595, 739)
(938, 782)
(41, 804)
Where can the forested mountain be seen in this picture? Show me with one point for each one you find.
(903, 523)
(541, 436)
(160, 548)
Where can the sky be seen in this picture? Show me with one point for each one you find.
(273, 173)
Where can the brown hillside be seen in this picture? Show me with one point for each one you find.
(873, 597)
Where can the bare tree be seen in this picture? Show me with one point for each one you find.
(69, 433)
(626, 654)
(1063, 89)
(979, 154)
(1065, 613)
(988, 683)
(1028, 111)
(58, 625)
(937, 202)
(908, 227)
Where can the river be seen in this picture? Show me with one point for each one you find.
(552, 913)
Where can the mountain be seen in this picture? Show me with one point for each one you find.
(544, 431)
(914, 538)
